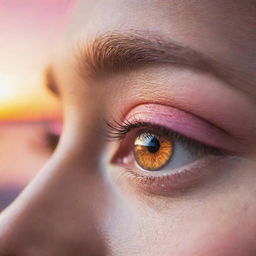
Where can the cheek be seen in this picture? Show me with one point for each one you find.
(200, 238)
(227, 228)
(233, 239)
(218, 222)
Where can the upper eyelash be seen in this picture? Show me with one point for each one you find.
(118, 131)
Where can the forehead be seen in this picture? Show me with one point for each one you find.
(205, 26)
(176, 17)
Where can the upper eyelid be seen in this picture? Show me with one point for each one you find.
(142, 127)
(184, 123)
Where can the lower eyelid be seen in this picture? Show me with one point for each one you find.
(178, 181)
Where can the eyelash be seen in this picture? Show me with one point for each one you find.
(117, 131)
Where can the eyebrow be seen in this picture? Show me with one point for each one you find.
(117, 52)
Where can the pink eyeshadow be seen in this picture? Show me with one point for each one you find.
(184, 123)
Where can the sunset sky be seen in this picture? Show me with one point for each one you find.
(29, 30)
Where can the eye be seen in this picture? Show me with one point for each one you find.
(51, 135)
(151, 151)
(155, 148)
(153, 155)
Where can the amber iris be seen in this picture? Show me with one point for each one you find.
(152, 151)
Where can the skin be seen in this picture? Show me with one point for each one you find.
(83, 203)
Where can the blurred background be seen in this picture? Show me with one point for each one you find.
(30, 117)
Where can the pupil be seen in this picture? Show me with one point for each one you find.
(153, 145)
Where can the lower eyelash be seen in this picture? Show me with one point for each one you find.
(175, 183)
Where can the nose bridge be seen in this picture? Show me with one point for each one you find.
(55, 214)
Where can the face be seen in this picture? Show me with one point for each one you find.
(157, 155)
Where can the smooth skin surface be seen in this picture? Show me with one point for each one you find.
(193, 63)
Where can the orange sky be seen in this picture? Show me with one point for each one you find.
(29, 30)
(24, 106)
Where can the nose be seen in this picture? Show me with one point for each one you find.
(57, 214)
